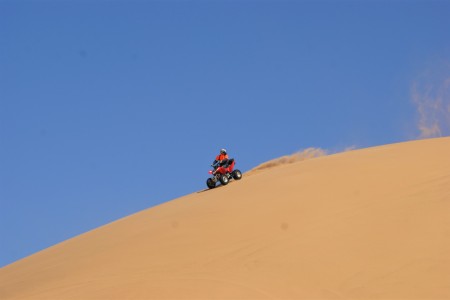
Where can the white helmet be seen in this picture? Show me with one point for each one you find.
(224, 151)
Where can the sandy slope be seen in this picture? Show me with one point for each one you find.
(365, 224)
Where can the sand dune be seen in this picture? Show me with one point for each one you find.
(366, 224)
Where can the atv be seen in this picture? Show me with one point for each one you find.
(223, 174)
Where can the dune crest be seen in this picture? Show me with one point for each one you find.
(372, 223)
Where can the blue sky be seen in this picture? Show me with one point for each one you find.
(111, 107)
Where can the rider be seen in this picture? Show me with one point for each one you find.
(221, 159)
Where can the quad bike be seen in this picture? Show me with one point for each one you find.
(223, 174)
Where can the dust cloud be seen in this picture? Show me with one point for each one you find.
(305, 154)
(431, 97)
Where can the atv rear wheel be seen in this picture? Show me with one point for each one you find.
(224, 179)
(237, 175)
(210, 183)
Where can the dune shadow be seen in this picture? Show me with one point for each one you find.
(207, 189)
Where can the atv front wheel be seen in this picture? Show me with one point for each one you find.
(237, 175)
(224, 179)
(210, 183)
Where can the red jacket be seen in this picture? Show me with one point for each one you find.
(221, 157)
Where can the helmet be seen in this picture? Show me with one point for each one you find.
(224, 151)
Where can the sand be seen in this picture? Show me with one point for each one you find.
(365, 224)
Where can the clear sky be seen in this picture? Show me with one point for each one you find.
(111, 107)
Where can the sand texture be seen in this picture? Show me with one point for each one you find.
(364, 224)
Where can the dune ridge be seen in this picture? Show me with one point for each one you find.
(367, 224)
